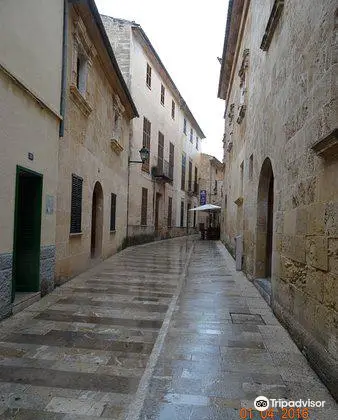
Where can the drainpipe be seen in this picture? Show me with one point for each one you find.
(127, 228)
(64, 68)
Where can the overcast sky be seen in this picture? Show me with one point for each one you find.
(188, 35)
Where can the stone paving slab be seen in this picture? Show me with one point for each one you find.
(162, 331)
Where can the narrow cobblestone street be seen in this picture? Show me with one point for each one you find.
(163, 331)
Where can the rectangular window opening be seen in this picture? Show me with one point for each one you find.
(76, 204)
(144, 206)
(148, 76)
(113, 213)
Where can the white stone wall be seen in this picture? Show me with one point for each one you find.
(31, 45)
(29, 73)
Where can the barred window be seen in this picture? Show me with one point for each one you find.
(173, 106)
(170, 210)
(144, 205)
(76, 204)
(113, 213)
(184, 159)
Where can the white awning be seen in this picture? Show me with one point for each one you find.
(207, 207)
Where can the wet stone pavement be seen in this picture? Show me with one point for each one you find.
(164, 331)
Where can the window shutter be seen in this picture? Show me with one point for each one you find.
(76, 204)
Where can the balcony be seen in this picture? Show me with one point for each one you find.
(163, 172)
(192, 188)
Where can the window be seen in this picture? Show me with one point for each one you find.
(172, 109)
(171, 160)
(148, 76)
(195, 184)
(197, 143)
(215, 187)
(191, 135)
(188, 214)
(184, 158)
(160, 152)
(162, 94)
(81, 73)
(113, 213)
(185, 126)
(251, 167)
(170, 211)
(76, 204)
(241, 178)
(182, 214)
(146, 141)
(144, 205)
(190, 187)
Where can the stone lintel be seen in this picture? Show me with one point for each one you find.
(327, 147)
(272, 23)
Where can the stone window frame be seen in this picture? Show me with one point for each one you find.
(243, 85)
(173, 109)
(82, 59)
(118, 112)
(162, 94)
(185, 126)
(148, 76)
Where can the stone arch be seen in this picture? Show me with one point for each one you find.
(264, 224)
(97, 222)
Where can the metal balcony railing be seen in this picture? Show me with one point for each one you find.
(163, 171)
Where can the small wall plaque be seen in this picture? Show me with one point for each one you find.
(49, 204)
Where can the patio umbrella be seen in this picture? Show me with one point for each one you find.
(207, 207)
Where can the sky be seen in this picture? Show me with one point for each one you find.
(188, 35)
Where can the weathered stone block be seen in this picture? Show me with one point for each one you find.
(317, 252)
(293, 271)
(299, 248)
(316, 217)
(301, 221)
(331, 219)
(290, 218)
(315, 284)
(333, 255)
(330, 290)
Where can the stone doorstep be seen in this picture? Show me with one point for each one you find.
(23, 300)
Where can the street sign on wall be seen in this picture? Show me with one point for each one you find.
(203, 197)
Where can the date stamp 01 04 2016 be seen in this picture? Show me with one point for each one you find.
(275, 414)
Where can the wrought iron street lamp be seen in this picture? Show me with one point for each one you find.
(144, 155)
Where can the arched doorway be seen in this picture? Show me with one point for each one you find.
(264, 228)
(97, 222)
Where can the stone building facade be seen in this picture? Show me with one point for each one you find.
(211, 178)
(162, 191)
(210, 182)
(93, 152)
(278, 76)
(29, 138)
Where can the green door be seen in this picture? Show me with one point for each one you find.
(27, 232)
